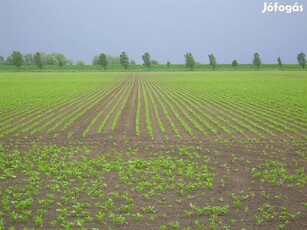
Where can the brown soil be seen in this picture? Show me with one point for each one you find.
(126, 124)
(231, 160)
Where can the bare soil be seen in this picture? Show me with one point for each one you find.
(232, 160)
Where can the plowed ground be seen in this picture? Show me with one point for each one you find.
(154, 151)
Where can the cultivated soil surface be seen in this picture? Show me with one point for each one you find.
(115, 179)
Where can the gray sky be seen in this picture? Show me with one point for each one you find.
(167, 29)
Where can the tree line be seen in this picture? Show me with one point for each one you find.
(40, 59)
(190, 62)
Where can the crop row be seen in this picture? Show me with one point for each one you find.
(59, 115)
(155, 108)
(224, 114)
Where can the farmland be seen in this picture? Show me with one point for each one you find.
(162, 150)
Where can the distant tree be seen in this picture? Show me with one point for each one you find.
(189, 61)
(154, 62)
(168, 64)
(17, 59)
(69, 62)
(301, 60)
(113, 60)
(95, 60)
(51, 59)
(124, 60)
(61, 59)
(279, 62)
(146, 60)
(234, 64)
(212, 61)
(28, 59)
(102, 60)
(80, 63)
(55, 59)
(2, 60)
(257, 60)
(132, 62)
(9, 60)
(38, 60)
(44, 57)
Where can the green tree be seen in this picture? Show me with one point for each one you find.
(301, 60)
(257, 61)
(124, 60)
(38, 60)
(113, 60)
(146, 60)
(189, 61)
(55, 59)
(154, 62)
(279, 62)
(132, 62)
(61, 59)
(95, 60)
(28, 59)
(50, 59)
(17, 59)
(80, 63)
(234, 64)
(102, 60)
(9, 60)
(2, 60)
(212, 61)
(168, 64)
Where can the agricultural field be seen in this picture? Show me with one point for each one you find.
(153, 150)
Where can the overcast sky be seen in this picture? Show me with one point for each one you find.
(167, 29)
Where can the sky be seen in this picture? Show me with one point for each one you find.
(167, 29)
